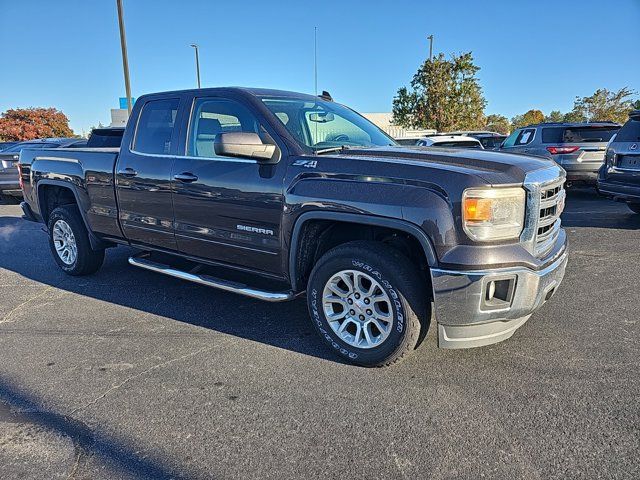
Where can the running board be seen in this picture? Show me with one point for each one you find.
(142, 262)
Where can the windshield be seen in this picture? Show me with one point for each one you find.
(319, 124)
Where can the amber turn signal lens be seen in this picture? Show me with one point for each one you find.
(477, 209)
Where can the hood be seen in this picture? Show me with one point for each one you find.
(495, 168)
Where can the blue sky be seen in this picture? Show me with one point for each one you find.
(541, 53)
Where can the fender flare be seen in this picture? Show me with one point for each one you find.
(363, 219)
(96, 243)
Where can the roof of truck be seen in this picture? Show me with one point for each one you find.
(258, 92)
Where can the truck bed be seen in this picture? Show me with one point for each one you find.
(90, 171)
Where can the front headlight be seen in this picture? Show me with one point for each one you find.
(493, 213)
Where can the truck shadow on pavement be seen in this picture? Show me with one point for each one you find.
(24, 250)
(19, 407)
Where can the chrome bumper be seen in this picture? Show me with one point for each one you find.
(465, 319)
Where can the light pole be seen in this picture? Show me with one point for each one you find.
(430, 38)
(125, 61)
(195, 47)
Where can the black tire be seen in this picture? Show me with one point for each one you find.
(398, 278)
(87, 260)
(634, 207)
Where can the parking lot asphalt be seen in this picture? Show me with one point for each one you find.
(129, 374)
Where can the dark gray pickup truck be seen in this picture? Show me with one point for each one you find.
(270, 194)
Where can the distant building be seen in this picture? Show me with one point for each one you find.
(384, 122)
(119, 117)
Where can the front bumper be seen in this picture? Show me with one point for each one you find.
(465, 319)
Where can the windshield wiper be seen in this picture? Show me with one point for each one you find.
(329, 150)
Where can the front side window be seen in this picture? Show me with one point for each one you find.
(213, 116)
(319, 124)
(155, 126)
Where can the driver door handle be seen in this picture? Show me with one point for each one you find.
(186, 177)
(127, 172)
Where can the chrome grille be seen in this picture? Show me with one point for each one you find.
(552, 198)
(545, 202)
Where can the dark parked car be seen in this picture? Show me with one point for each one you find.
(578, 147)
(9, 186)
(619, 177)
(270, 194)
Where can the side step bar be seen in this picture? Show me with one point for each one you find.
(142, 262)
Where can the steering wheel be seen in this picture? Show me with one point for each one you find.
(341, 137)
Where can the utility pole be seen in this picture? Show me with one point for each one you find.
(430, 38)
(195, 47)
(315, 60)
(125, 60)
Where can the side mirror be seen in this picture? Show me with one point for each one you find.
(244, 145)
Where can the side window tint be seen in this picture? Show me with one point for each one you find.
(212, 117)
(525, 136)
(155, 126)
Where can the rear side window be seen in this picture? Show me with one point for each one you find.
(578, 134)
(155, 126)
(525, 136)
(630, 131)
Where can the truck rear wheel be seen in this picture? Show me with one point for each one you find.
(368, 302)
(69, 242)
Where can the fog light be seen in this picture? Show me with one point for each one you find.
(492, 290)
(498, 293)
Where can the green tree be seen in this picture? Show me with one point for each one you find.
(604, 105)
(444, 94)
(554, 116)
(498, 123)
(636, 105)
(529, 118)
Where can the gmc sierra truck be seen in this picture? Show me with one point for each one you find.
(272, 194)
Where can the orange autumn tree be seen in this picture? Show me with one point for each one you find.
(29, 123)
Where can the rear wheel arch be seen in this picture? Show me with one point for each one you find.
(315, 233)
(57, 193)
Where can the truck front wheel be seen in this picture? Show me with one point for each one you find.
(69, 242)
(368, 302)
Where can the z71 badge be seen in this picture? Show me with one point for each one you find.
(305, 163)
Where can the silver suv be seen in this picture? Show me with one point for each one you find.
(578, 147)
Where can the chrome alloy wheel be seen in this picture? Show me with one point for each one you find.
(65, 242)
(357, 308)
